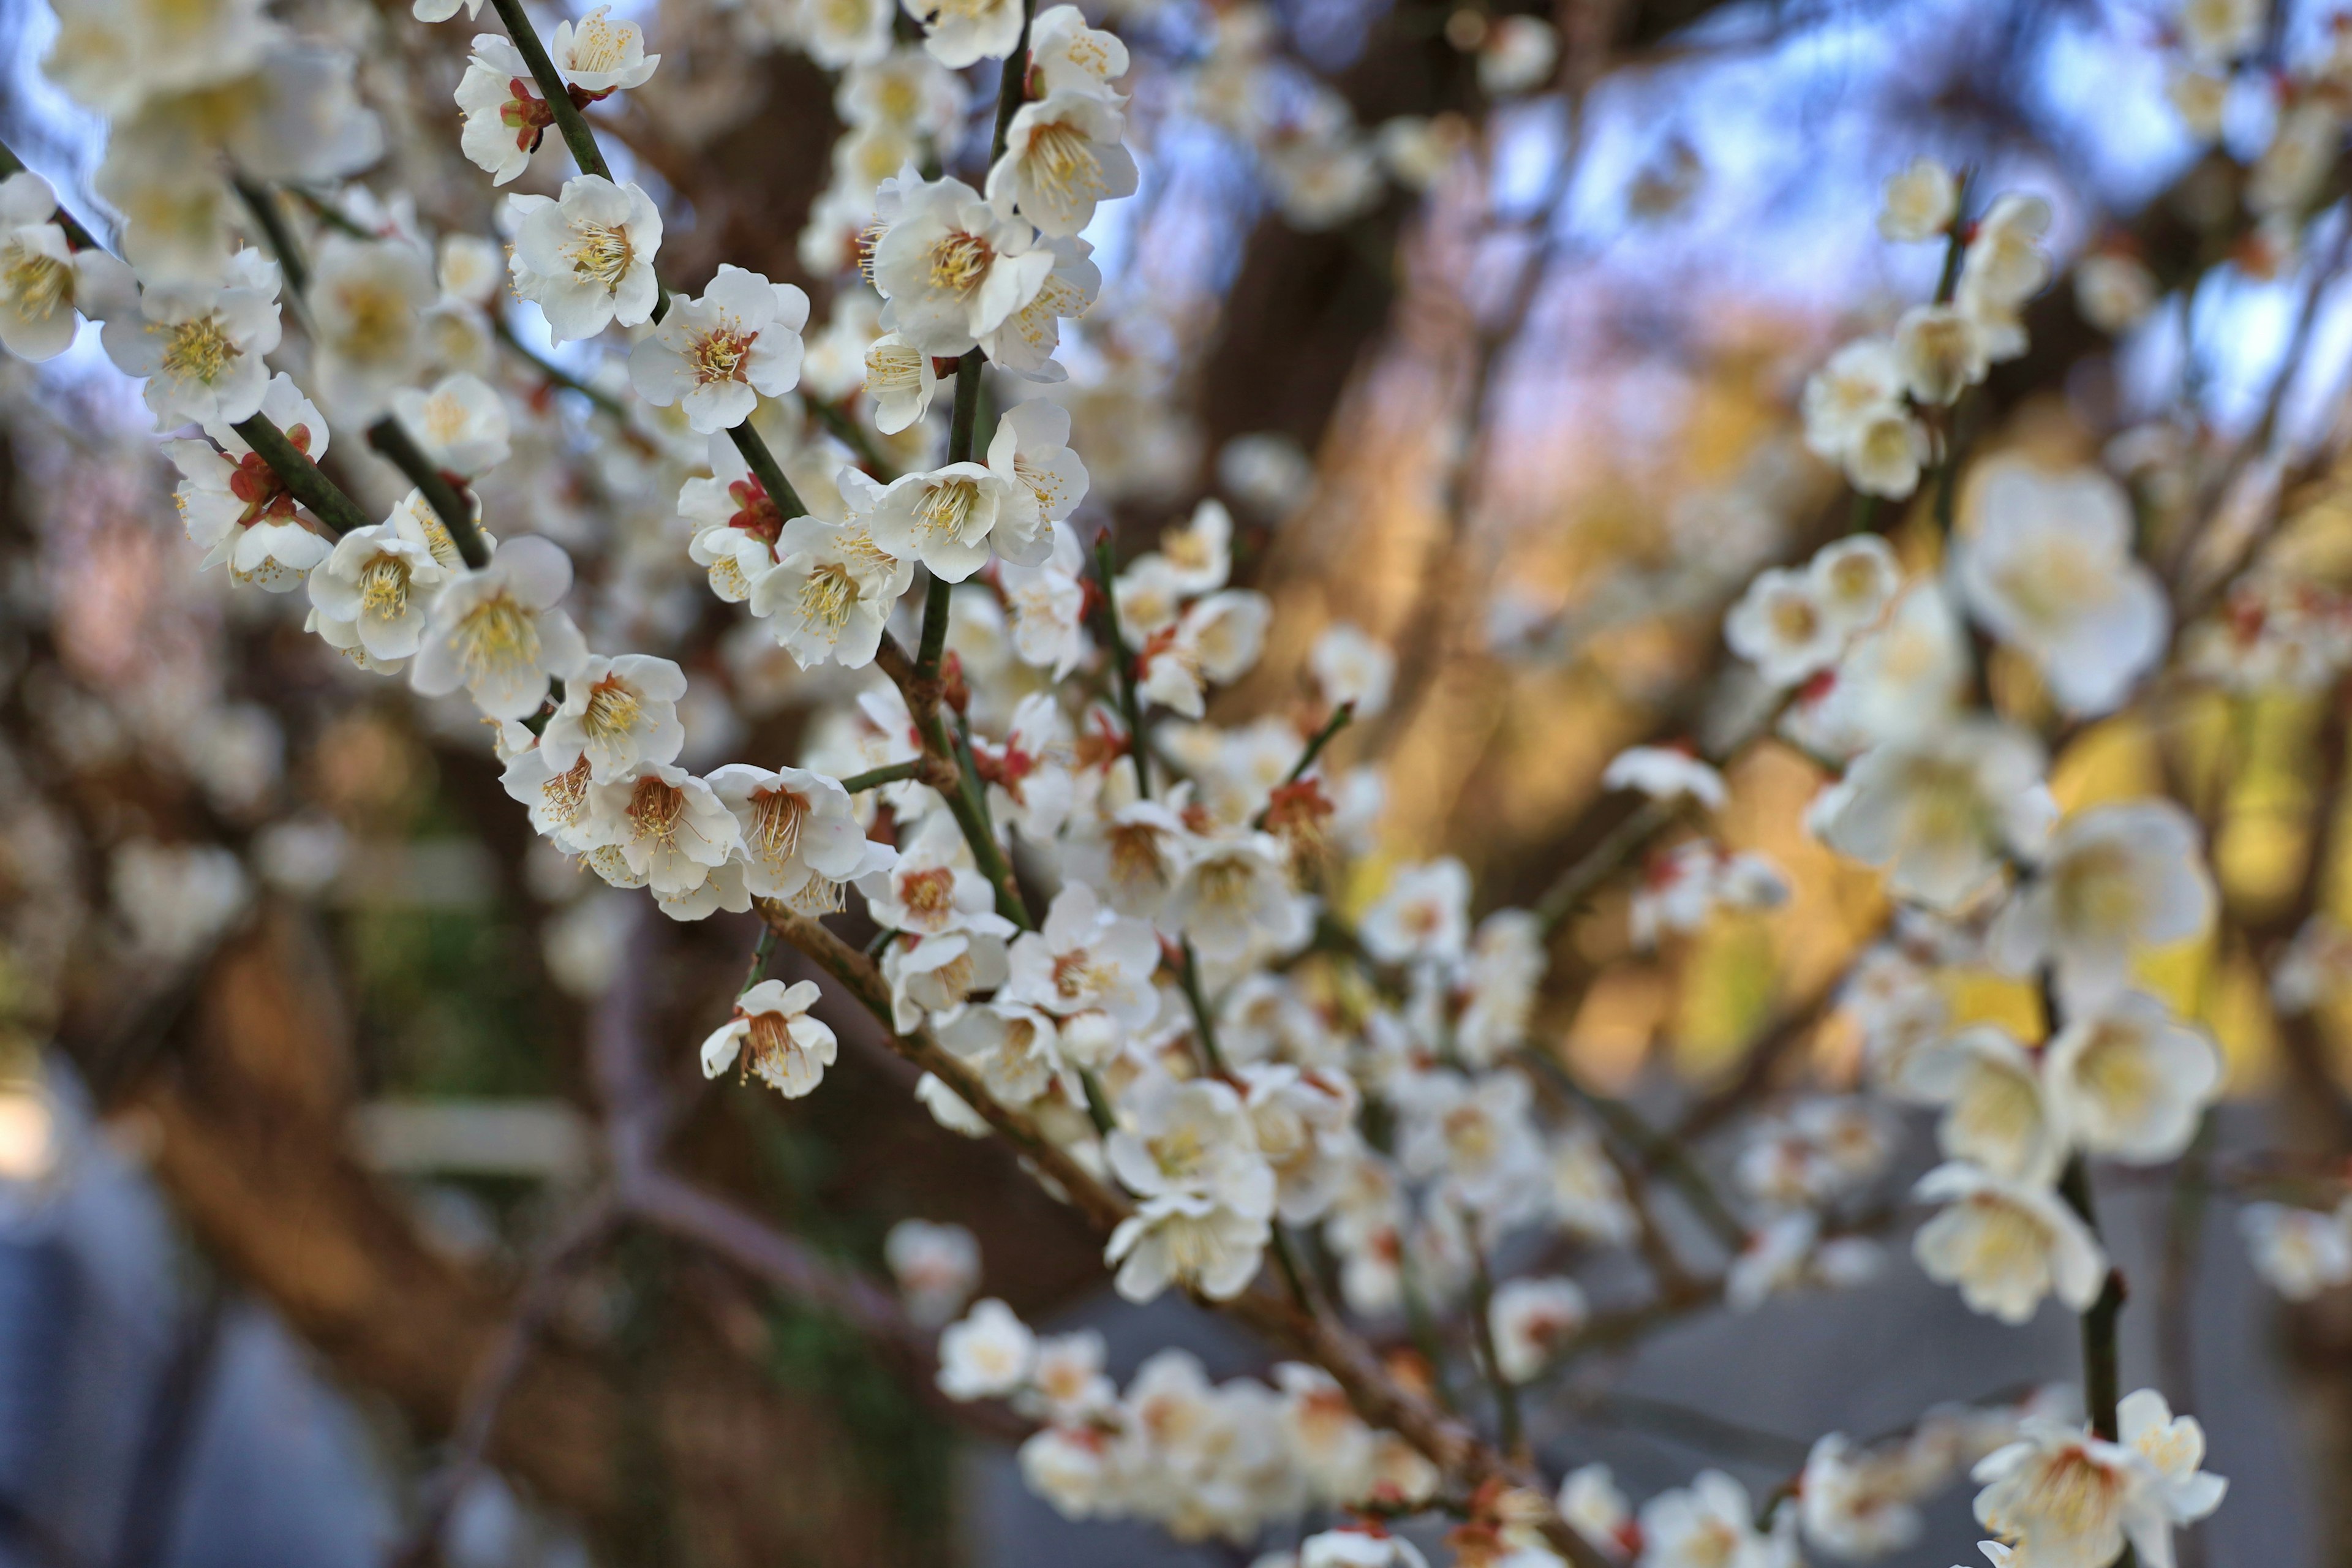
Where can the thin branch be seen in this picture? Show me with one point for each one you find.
(1340, 717)
(392, 441)
(875, 778)
(78, 237)
(1122, 662)
(301, 477)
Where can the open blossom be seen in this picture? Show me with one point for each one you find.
(46, 285)
(496, 632)
(1033, 445)
(1086, 959)
(1919, 202)
(1708, 1524)
(2003, 267)
(375, 589)
(616, 712)
(937, 1267)
(901, 380)
(949, 518)
(953, 269)
(934, 888)
(1184, 1238)
(1424, 914)
(2129, 1080)
(719, 355)
(800, 837)
(1062, 156)
(1232, 895)
(958, 34)
(2300, 1251)
(1594, 1506)
(1860, 380)
(1024, 343)
(2116, 879)
(1304, 1122)
(1192, 1137)
(368, 301)
(234, 504)
(599, 56)
(668, 827)
(505, 118)
(2059, 1494)
(1781, 626)
(460, 423)
(936, 976)
(1942, 811)
(1351, 667)
(1943, 353)
(1997, 1114)
(829, 592)
(1068, 56)
(1048, 603)
(586, 258)
(1853, 580)
(1858, 1503)
(1216, 640)
(774, 1038)
(987, 1355)
(200, 345)
(2005, 1244)
(2174, 1446)
(1532, 1321)
(2049, 569)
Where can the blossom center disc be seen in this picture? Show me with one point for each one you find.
(960, 261)
(39, 283)
(602, 254)
(495, 635)
(197, 350)
(613, 708)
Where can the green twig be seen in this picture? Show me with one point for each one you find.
(1123, 663)
(875, 778)
(2102, 1380)
(300, 475)
(1204, 1024)
(767, 470)
(1340, 717)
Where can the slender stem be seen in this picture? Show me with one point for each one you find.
(762, 951)
(1482, 1324)
(327, 212)
(392, 439)
(75, 235)
(301, 477)
(1204, 1024)
(1123, 665)
(263, 205)
(875, 778)
(1293, 1272)
(2101, 1381)
(1956, 247)
(1341, 718)
(767, 470)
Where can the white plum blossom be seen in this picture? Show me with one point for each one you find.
(2176, 1448)
(1997, 1111)
(774, 1038)
(1781, 627)
(1192, 1137)
(1048, 602)
(2005, 1244)
(1182, 1238)
(1068, 55)
(829, 591)
(375, 590)
(1663, 773)
(1942, 351)
(2129, 1080)
(233, 503)
(668, 828)
(598, 56)
(988, 1354)
(958, 34)
(1062, 156)
(1594, 1506)
(934, 889)
(497, 633)
(1711, 1523)
(200, 345)
(901, 380)
(46, 285)
(1304, 1122)
(1032, 444)
(1919, 202)
(2300, 1251)
(937, 1267)
(800, 837)
(717, 356)
(953, 269)
(586, 257)
(1532, 1321)
(368, 301)
(1940, 812)
(1854, 579)
(1351, 667)
(1086, 959)
(1231, 895)
(460, 423)
(616, 712)
(2116, 879)
(2061, 1495)
(949, 518)
(1424, 916)
(2047, 569)
(505, 119)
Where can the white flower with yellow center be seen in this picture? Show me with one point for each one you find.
(1424, 915)
(368, 301)
(1942, 811)
(1232, 896)
(114, 53)
(773, 1036)
(948, 519)
(719, 355)
(558, 802)
(1014, 1048)
(1048, 603)
(2117, 878)
(1862, 381)
(1781, 627)
(1026, 341)
(587, 258)
(1033, 444)
(953, 267)
(668, 827)
(830, 591)
(1192, 1137)
(1061, 157)
(46, 285)
(1184, 1238)
(901, 380)
(1889, 449)
(904, 88)
(599, 56)
(934, 888)
(1854, 579)
(375, 589)
(2130, 1080)
(460, 424)
(2047, 569)
(2061, 1496)
(1711, 1523)
(2003, 267)
(1919, 202)
(1943, 353)
(199, 345)
(838, 33)
(1215, 642)
(1476, 1135)
(988, 1355)
(959, 32)
(1068, 56)
(800, 837)
(2300, 1251)
(1305, 1121)
(1086, 959)
(616, 712)
(1996, 1111)
(2174, 1446)
(496, 632)
(2005, 1244)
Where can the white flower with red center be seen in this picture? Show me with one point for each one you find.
(1062, 156)
(953, 269)
(1919, 202)
(669, 826)
(617, 713)
(598, 56)
(2119, 878)
(2049, 569)
(1086, 959)
(586, 258)
(959, 32)
(1663, 773)
(1532, 1321)
(937, 1267)
(46, 285)
(1997, 1111)
(949, 518)
(374, 590)
(934, 888)
(936, 976)
(2059, 1494)
(1942, 811)
(2005, 1244)
(200, 345)
(460, 423)
(505, 118)
(1424, 917)
(234, 505)
(2300, 1251)
(774, 1039)
(496, 632)
(717, 356)
(801, 837)
(987, 1355)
